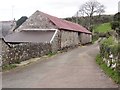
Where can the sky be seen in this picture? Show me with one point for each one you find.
(10, 9)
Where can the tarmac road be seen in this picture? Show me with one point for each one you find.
(73, 69)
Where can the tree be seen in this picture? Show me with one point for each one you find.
(116, 23)
(117, 17)
(91, 8)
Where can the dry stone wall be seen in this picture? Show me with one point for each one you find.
(24, 51)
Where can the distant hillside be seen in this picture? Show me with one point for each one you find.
(96, 20)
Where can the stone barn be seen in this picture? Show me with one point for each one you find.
(41, 27)
(7, 27)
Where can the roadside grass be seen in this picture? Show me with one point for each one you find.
(103, 28)
(51, 54)
(108, 71)
(8, 67)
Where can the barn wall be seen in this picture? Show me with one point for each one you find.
(0, 51)
(1, 42)
(56, 43)
(85, 38)
(69, 38)
(64, 39)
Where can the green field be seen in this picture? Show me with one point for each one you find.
(103, 28)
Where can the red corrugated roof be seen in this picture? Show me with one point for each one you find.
(67, 25)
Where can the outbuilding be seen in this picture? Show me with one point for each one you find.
(41, 27)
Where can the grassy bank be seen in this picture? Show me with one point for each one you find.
(108, 71)
(103, 28)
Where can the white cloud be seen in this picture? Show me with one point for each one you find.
(59, 8)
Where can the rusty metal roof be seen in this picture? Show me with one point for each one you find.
(66, 25)
(30, 36)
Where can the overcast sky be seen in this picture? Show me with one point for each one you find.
(10, 9)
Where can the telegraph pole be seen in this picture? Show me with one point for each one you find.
(77, 17)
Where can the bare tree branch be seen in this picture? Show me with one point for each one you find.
(92, 7)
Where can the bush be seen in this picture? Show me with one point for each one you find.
(118, 58)
(117, 17)
(108, 46)
(109, 41)
(95, 38)
(105, 47)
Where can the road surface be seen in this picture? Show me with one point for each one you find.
(73, 69)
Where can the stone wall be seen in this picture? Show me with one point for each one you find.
(0, 51)
(24, 51)
(62, 39)
(110, 55)
(85, 38)
(4, 46)
(56, 43)
(69, 38)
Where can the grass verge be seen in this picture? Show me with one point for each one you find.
(8, 67)
(108, 71)
(51, 54)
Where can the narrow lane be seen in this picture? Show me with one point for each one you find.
(73, 69)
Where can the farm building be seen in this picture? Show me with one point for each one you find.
(41, 27)
(42, 34)
(7, 27)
